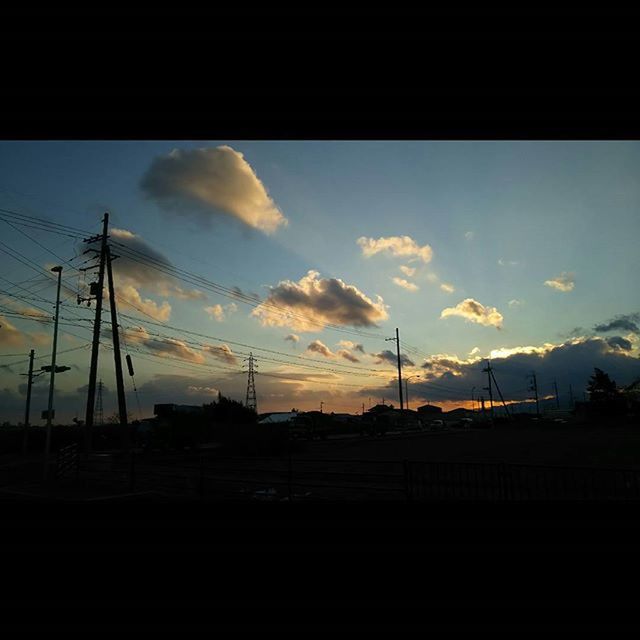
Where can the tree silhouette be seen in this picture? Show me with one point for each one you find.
(601, 387)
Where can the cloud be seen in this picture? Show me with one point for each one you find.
(292, 337)
(469, 235)
(516, 303)
(347, 355)
(473, 311)
(628, 322)
(408, 271)
(474, 351)
(432, 277)
(128, 294)
(563, 282)
(138, 273)
(447, 288)
(504, 263)
(212, 182)
(9, 334)
(392, 358)
(405, 284)
(223, 353)
(404, 246)
(313, 302)
(617, 342)
(171, 348)
(318, 347)
(570, 363)
(219, 312)
(348, 344)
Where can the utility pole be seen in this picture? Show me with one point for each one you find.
(493, 375)
(482, 403)
(397, 340)
(251, 402)
(99, 412)
(122, 401)
(535, 389)
(488, 372)
(363, 408)
(555, 386)
(25, 433)
(473, 402)
(57, 270)
(321, 405)
(95, 347)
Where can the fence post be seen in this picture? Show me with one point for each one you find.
(132, 470)
(407, 479)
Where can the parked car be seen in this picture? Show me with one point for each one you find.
(437, 425)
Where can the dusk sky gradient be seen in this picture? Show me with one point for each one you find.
(524, 251)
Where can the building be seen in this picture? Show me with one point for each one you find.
(429, 411)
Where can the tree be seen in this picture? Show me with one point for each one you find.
(601, 387)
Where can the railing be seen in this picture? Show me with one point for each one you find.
(67, 461)
(296, 478)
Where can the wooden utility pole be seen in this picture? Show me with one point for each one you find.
(122, 402)
(25, 432)
(95, 347)
(535, 389)
(555, 386)
(397, 340)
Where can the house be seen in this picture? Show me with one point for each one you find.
(277, 417)
(429, 411)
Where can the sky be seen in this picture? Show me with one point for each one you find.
(309, 254)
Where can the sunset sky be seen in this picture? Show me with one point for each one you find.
(309, 255)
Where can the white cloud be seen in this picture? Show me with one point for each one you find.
(447, 288)
(219, 312)
(469, 235)
(563, 282)
(474, 351)
(348, 344)
(312, 302)
(405, 284)
(516, 303)
(472, 311)
(128, 294)
(292, 337)
(408, 271)
(212, 181)
(432, 277)
(347, 355)
(404, 246)
(504, 263)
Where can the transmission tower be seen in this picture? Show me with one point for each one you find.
(251, 402)
(99, 411)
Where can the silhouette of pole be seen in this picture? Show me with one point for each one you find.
(488, 372)
(397, 339)
(555, 386)
(25, 434)
(95, 347)
(493, 375)
(47, 447)
(250, 400)
(535, 389)
(122, 401)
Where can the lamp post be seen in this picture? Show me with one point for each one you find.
(57, 270)
(406, 388)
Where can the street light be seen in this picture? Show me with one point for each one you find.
(57, 270)
(406, 388)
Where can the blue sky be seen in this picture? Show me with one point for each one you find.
(501, 218)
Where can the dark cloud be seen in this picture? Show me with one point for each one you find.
(571, 363)
(319, 347)
(620, 343)
(312, 302)
(343, 353)
(392, 358)
(628, 322)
